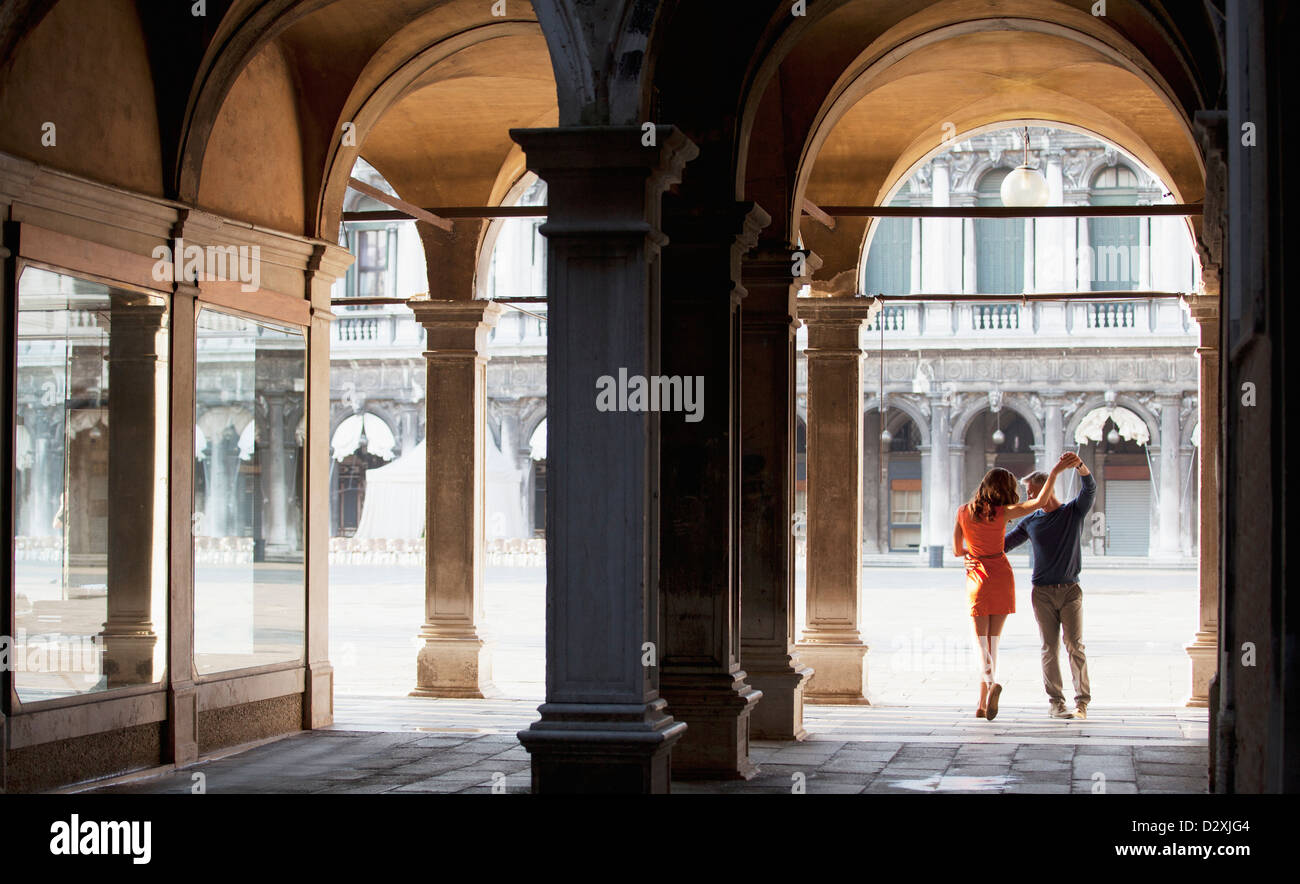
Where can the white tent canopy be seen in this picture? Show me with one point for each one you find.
(347, 438)
(394, 504)
(537, 444)
(1130, 426)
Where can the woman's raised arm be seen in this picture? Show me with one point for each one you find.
(1016, 510)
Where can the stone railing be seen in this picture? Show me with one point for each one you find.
(1112, 314)
(994, 317)
(892, 318)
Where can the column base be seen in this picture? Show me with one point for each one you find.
(454, 667)
(780, 715)
(839, 673)
(127, 655)
(716, 709)
(602, 749)
(1204, 651)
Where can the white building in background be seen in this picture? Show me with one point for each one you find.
(1013, 384)
(377, 366)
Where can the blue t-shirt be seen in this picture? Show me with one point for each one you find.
(1055, 537)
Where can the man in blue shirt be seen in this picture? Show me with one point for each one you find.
(1057, 599)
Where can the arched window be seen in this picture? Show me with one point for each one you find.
(999, 243)
(889, 258)
(1116, 264)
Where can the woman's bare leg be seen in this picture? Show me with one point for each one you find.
(996, 622)
(986, 672)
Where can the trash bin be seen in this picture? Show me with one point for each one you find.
(936, 557)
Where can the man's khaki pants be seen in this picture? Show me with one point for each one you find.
(1059, 612)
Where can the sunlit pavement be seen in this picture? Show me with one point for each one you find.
(915, 621)
(918, 736)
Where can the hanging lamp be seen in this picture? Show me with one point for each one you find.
(1025, 187)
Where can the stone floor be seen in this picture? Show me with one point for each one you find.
(1136, 623)
(400, 745)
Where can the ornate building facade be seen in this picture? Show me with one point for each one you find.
(1012, 385)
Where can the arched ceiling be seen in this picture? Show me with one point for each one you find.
(860, 94)
(445, 142)
(429, 89)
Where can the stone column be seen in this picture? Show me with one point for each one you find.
(939, 495)
(276, 497)
(604, 727)
(1053, 432)
(1031, 249)
(1203, 649)
(699, 487)
(137, 486)
(454, 660)
(831, 643)
(767, 650)
(1083, 258)
(1169, 485)
(918, 283)
(969, 258)
(1144, 255)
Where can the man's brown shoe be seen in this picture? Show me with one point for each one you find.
(1080, 712)
(994, 693)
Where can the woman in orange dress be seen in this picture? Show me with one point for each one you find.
(978, 536)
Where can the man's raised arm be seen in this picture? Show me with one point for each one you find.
(1088, 490)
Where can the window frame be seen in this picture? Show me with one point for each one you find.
(14, 704)
(301, 662)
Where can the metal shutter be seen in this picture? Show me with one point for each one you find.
(1128, 517)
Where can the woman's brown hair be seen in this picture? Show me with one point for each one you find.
(999, 488)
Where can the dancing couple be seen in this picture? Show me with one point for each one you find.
(981, 537)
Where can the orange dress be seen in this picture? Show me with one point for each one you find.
(990, 581)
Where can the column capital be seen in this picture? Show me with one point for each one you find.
(767, 274)
(734, 223)
(1203, 307)
(604, 180)
(705, 242)
(456, 327)
(840, 311)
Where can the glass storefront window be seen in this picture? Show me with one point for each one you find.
(90, 427)
(248, 523)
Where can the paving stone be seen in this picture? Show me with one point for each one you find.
(1024, 788)
(1116, 770)
(893, 786)
(978, 770)
(1177, 784)
(1029, 765)
(852, 765)
(1085, 787)
(1160, 768)
(1091, 749)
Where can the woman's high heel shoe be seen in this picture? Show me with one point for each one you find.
(994, 693)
